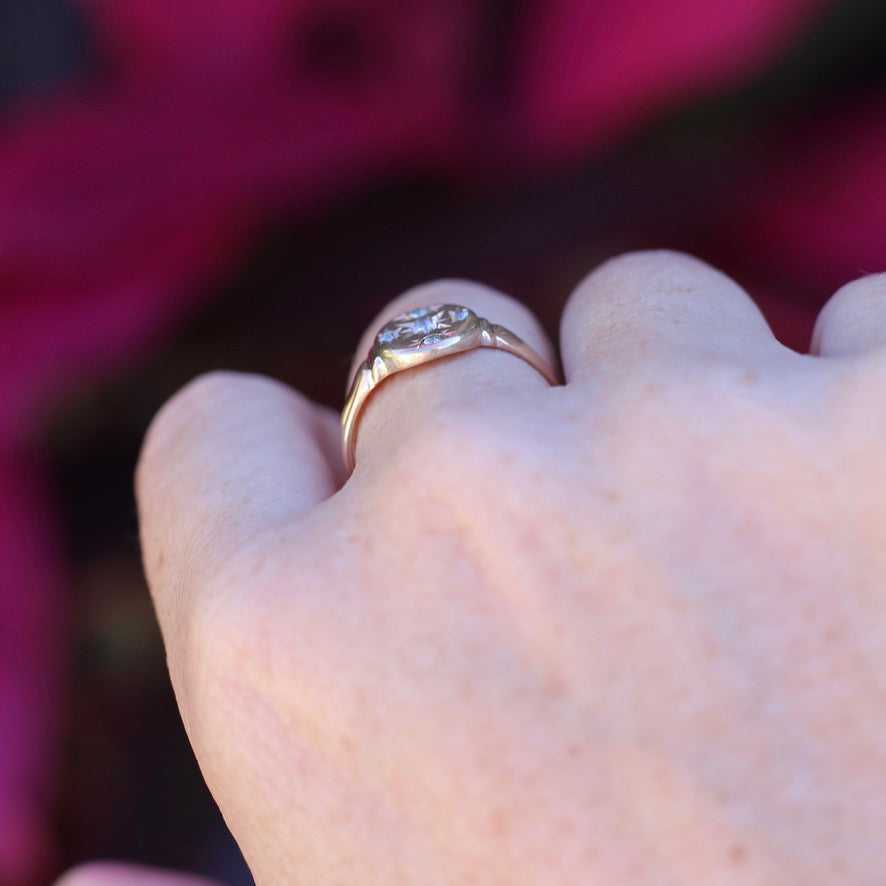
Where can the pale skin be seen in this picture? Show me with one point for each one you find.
(628, 630)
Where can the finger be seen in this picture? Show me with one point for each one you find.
(227, 457)
(853, 320)
(108, 874)
(402, 401)
(658, 306)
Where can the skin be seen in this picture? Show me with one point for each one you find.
(624, 630)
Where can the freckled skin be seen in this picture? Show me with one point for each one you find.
(626, 631)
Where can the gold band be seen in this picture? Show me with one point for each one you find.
(418, 337)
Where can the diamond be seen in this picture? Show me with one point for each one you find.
(425, 327)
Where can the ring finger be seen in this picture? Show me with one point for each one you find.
(446, 386)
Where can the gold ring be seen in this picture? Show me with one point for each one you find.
(420, 336)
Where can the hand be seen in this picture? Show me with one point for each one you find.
(629, 630)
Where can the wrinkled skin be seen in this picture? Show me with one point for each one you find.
(628, 630)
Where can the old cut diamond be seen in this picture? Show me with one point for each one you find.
(424, 327)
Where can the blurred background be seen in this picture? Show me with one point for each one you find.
(243, 184)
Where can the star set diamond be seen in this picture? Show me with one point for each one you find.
(424, 327)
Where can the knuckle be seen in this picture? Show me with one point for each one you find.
(846, 299)
(204, 394)
(869, 286)
(645, 263)
(199, 397)
(194, 408)
(851, 320)
(203, 390)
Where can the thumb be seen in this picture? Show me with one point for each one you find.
(109, 874)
